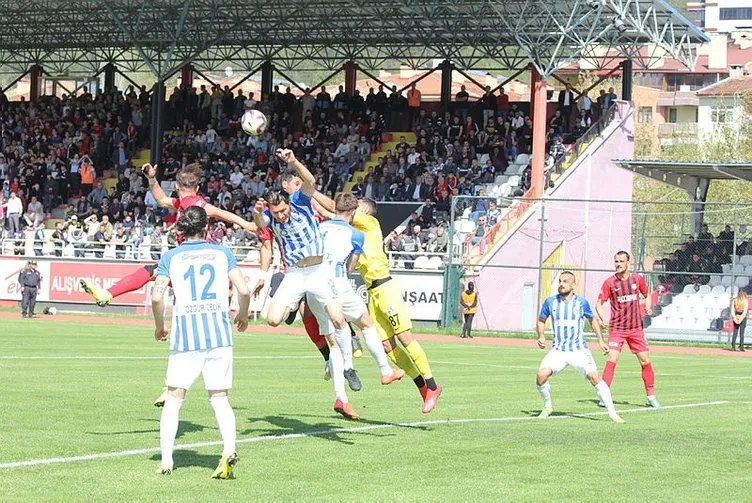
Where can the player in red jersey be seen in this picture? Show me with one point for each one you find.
(625, 290)
(187, 182)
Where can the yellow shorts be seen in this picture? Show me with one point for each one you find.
(388, 309)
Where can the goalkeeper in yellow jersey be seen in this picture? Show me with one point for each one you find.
(385, 298)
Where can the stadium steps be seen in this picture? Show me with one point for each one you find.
(389, 142)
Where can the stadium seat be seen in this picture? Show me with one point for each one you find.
(748, 270)
(523, 159)
(689, 289)
(422, 262)
(726, 268)
(726, 281)
(436, 262)
(501, 179)
(704, 290)
(738, 269)
(718, 290)
(514, 181)
(742, 281)
(715, 280)
(745, 259)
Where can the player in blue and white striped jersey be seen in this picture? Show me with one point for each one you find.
(201, 331)
(568, 312)
(294, 225)
(343, 244)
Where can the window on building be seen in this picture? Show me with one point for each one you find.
(654, 80)
(672, 115)
(674, 82)
(736, 13)
(720, 115)
(645, 115)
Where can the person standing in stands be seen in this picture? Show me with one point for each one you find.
(739, 319)
(469, 303)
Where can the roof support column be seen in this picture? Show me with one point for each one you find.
(351, 77)
(186, 76)
(446, 85)
(267, 76)
(538, 104)
(626, 80)
(109, 77)
(157, 121)
(35, 83)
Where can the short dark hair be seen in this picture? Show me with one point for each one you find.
(189, 177)
(622, 252)
(369, 205)
(562, 273)
(345, 202)
(274, 197)
(193, 222)
(287, 176)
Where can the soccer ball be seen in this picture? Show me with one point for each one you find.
(253, 123)
(52, 311)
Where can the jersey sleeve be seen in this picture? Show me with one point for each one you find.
(176, 203)
(358, 241)
(642, 285)
(266, 215)
(545, 311)
(301, 199)
(587, 311)
(232, 262)
(605, 293)
(265, 234)
(163, 267)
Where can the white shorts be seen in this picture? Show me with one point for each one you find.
(316, 281)
(353, 306)
(581, 360)
(215, 365)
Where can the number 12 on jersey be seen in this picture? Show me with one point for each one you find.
(205, 270)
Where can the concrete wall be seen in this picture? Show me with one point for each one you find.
(590, 233)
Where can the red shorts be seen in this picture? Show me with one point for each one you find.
(635, 339)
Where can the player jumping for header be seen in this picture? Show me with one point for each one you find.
(568, 312)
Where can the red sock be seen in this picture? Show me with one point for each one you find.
(648, 377)
(312, 329)
(608, 372)
(131, 283)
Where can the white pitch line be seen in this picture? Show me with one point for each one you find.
(355, 429)
(126, 357)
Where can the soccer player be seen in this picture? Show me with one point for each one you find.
(624, 291)
(387, 304)
(342, 246)
(187, 183)
(568, 312)
(294, 225)
(201, 331)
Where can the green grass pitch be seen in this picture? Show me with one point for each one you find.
(76, 389)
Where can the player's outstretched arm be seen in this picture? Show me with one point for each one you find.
(309, 181)
(599, 334)
(259, 218)
(156, 190)
(540, 328)
(157, 306)
(214, 212)
(244, 298)
(325, 202)
(322, 211)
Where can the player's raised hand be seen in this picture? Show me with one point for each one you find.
(149, 170)
(160, 335)
(286, 155)
(241, 322)
(542, 342)
(260, 205)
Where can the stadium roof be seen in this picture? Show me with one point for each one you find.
(78, 37)
(672, 172)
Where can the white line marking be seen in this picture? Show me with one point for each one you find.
(356, 429)
(126, 357)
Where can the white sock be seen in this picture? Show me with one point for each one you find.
(545, 393)
(376, 348)
(225, 417)
(344, 341)
(336, 366)
(604, 393)
(168, 428)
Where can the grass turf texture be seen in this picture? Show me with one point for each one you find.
(53, 406)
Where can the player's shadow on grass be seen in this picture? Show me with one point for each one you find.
(183, 428)
(185, 459)
(534, 413)
(616, 402)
